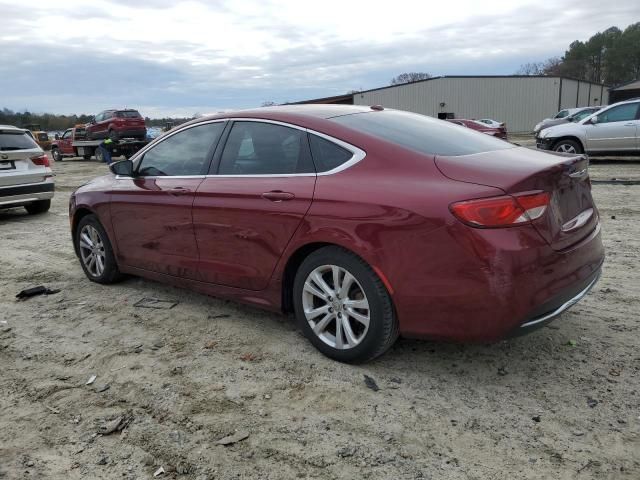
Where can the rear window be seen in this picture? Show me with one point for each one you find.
(43, 137)
(421, 133)
(16, 141)
(128, 114)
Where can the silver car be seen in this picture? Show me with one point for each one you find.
(614, 129)
(576, 116)
(26, 178)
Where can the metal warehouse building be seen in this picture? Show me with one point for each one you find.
(520, 101)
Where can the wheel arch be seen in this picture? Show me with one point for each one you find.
(78, 215)
(297, 257)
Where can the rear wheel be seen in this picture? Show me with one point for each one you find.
(40, 206)
(87, 157)
(343, 307)
(567, 146)
(96, 254)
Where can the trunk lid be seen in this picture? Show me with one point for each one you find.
(571, 215)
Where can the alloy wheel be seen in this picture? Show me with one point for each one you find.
(336, 307)
(566, 148)
(92, 250)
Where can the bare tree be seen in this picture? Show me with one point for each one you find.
(268, 103)
(410, 78)
(531, 68)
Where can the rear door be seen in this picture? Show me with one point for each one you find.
(16, 150)
(616, 129)
(247, 211)
(151, 213)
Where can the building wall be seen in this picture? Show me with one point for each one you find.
(521, 102)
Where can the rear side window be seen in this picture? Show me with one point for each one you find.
(421, 133)
(16, 141)
(184, 153)
(327, 155)
(257, 148)
(128, 114)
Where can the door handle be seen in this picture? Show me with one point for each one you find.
(629, 124)
(277, 196)
(179, 191)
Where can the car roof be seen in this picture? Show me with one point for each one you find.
(11, 127)
(315, 110)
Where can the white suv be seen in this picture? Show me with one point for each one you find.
(26, 178)
(614, 129)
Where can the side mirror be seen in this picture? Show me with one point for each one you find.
(57, 137)
(124, 168)
(594, 120)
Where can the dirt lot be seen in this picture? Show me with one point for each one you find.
(561, 403)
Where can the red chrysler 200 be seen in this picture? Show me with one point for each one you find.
(368, 223)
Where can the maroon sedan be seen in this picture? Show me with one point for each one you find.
(367, 223)
(500, 132)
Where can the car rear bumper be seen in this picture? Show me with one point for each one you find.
(495, 283)
(16, 195)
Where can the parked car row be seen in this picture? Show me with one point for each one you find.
(612, 129)
(490, 127)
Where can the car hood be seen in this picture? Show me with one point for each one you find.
(567, 128)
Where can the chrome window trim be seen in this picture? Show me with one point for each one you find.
(357, 153)
(121, 177)
(170, 134)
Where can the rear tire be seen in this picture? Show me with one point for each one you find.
(87, 157)
(95, 251)
(40, 206)
(343, 307)
(567, 146)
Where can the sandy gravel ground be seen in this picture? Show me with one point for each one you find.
(561, 403)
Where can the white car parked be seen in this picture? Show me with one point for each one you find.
(614, 129)
(26, 178)
(491, 123)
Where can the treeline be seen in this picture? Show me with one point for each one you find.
(52, 122)
(611, 57)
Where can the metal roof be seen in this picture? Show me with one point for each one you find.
(634, 85)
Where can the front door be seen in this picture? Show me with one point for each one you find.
(64, 143)
(247, 211)
(151, 212)
(616, 129)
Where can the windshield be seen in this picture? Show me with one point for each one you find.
(16, 140)
(421, 133)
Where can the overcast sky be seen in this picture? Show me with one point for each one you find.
(167, 57)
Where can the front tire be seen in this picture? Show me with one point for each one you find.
(95, 251)
(39, 206)
(567, 146)
(56, 154)
(343, 307)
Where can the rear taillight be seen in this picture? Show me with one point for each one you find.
(503, 211)
(42, 160)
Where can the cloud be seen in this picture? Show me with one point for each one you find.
(176, 56)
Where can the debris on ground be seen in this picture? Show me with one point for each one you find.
(33, 291)
(536, 418)
(103, 388)
(249, 357)
(115, 425)
(158, 472)
(592, 402)
(155, 303)
(235, 438)
(371, 383)
(502, 371)
(92, 379)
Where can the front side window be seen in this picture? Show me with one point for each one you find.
(257, 148)
(621, 113)
(184, 153)
(66, 134)
(327, 155)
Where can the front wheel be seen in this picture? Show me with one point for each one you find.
(94, 249)
(56, 154)
(567, 146)
(343, 307)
